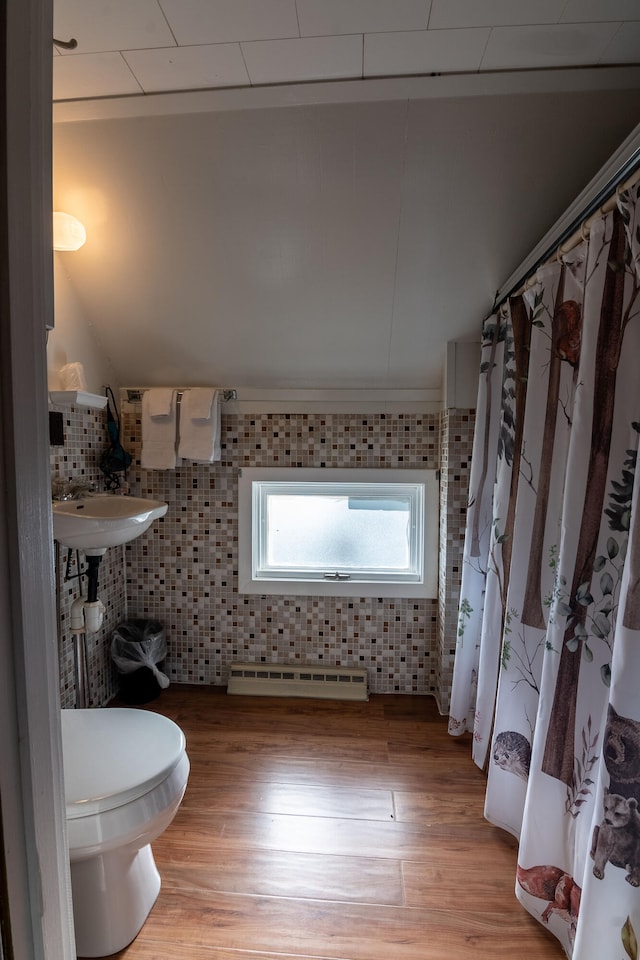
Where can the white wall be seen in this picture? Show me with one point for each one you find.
(461, 373)
(332, 246)
(74, 339)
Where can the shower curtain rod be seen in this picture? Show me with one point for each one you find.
(578, 229)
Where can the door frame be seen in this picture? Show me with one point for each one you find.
(37, 912)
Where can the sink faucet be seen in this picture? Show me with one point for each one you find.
(60, 489)
(80, 488)
(71, 489)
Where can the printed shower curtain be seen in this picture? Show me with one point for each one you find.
(547, 671)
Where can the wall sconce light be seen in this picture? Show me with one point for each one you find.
(68, 233)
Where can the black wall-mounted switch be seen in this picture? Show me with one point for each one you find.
(56, 429)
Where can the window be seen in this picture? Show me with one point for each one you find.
(338, 532)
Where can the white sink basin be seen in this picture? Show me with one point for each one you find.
(94, 523)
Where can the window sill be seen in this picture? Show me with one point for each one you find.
(344, 588)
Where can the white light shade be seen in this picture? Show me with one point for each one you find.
(68, 233)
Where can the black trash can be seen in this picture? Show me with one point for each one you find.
(138, 650)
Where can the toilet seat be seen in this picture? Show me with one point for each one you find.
(113, 757)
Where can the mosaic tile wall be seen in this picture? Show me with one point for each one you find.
(183, 572)
(85, 437)
(456, 442)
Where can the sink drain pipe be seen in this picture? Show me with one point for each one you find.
(86, 618)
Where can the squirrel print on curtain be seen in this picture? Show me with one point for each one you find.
(569, 332)
(557, 887)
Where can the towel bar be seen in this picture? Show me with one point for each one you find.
(135, 395)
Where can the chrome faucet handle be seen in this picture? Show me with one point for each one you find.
(60, 489)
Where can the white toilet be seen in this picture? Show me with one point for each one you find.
(125, 774)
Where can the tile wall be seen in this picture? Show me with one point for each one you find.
(85, 437)
(183, 571)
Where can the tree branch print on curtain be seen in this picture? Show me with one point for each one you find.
(493, 333)
(506, 451)
(559, 751)
(479, 527)
(515, 362)
(534, 529)
(565, 347)
(522, 340)
(631, 620)
(631, 617)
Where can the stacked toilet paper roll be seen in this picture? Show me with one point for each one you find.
(72, 376)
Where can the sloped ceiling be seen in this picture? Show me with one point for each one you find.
(322, 245)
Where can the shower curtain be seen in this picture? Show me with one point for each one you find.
(547, 669)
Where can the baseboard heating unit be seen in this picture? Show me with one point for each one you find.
(295, 680)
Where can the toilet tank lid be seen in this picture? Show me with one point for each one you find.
(113, 756)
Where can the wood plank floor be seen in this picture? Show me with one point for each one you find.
(333, 831)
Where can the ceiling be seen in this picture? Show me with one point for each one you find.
(130, 47)
(279, 194)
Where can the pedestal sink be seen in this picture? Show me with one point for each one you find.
(93, 523)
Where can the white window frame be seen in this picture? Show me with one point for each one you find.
(248, 539)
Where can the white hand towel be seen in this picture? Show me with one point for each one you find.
(160, 401)
(200, 400)
(158, 431)
(199, 436)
